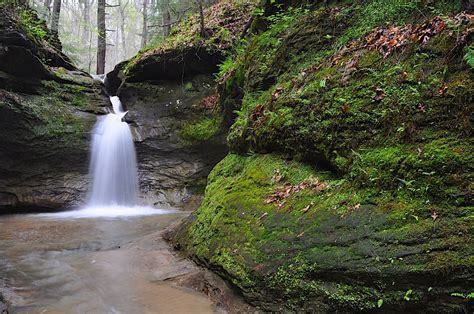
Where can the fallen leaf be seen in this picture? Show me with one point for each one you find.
(379, 94)
(443, 89)
(307, 207)
(403, 76)
(276, 93)
(419, 152)
(258, 267)
(434, 215)
(283, 192)
(393, 43)
(300, 235)
(277, 176)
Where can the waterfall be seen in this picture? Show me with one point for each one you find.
(113, 170)
(113, 165)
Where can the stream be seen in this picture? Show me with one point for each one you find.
(60, 263)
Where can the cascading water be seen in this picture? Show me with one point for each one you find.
(113, 161)
(113, 170)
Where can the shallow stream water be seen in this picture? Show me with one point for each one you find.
(65, 264)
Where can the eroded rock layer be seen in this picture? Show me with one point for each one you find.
(47, 109)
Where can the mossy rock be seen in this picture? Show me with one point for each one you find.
(340, 248)
(386, 136)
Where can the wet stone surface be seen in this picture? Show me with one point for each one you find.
(99, 265)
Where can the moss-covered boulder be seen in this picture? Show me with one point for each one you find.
(294, 237)
(350, 183)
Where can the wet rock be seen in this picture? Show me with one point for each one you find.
(171, 168)
(175, 65)
(47, 109)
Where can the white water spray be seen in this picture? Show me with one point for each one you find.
(113, 161)
(99, 77)
(113, 170)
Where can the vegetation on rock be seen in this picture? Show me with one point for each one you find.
(349, 186)
(225, 21)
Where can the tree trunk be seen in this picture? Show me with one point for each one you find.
(55, 18)
(145, 23)
(86, 20)
(89, 54)
(202, 29)
(47, 10)
(166, 18)
(101, 37)
(122, 28)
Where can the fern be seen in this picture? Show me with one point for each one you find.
(469, 56)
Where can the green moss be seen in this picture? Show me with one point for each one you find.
(34, 26)
(55, 109)
(387, 137)
(27, 20)
(283, 249)
(202, 129)
(399, 12)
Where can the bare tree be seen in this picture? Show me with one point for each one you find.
(144, 23)
(101, 37)
(122, 7)
(86, 20)
(166, 18)
(202, 29)
(47, 9)
(55, 18)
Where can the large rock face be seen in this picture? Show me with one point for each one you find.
(47, 109)
(179, 138)
(349, 186)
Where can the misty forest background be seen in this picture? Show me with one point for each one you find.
(122, 27)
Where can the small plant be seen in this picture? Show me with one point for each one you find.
(379, 303)
(32, 25)
(408, 295)
(463, 295)
(201, 130)
(469, 56)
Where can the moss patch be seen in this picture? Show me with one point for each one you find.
(202, 129)
(309, 252)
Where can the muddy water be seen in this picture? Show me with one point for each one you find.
(99, 265)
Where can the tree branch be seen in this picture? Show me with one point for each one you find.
(246, 28)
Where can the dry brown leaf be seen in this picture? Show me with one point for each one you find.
(379, 94)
